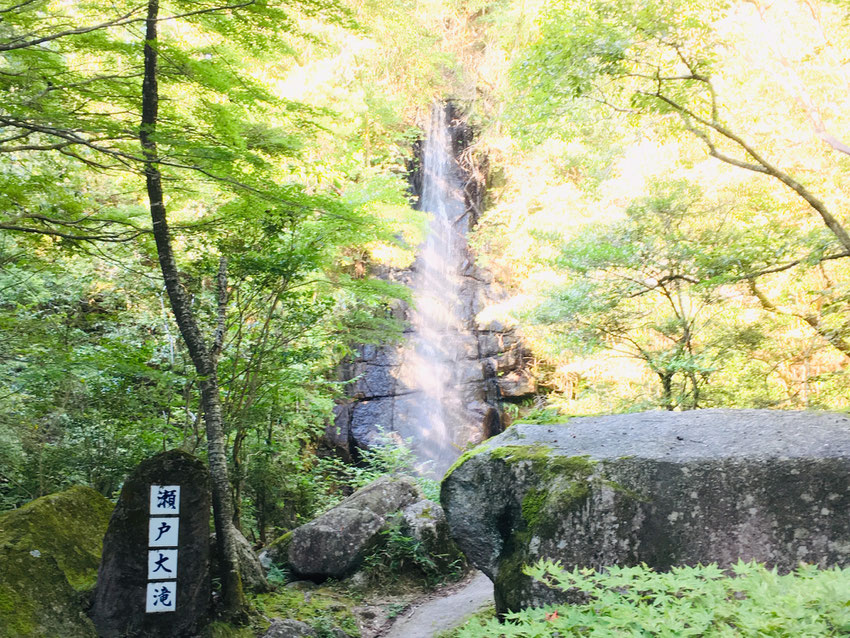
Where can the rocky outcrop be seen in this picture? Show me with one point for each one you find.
(660, 488)
(334, 544)
(381, 400)
(49, 553)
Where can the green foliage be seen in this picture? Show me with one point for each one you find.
(687, 601)
(390, 457)
(399, 556)
(637, 286)
(547, 416)
(607, 99)
(94, 375)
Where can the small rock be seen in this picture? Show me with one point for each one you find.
(289, 629)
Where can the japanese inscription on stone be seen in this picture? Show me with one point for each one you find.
(163, 532)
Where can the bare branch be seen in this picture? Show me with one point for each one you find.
(17, 6)
(830, 336)
(22, 43)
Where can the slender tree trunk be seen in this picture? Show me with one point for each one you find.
(696, 390)
(203, 358)
(666, 389)
(238, 476)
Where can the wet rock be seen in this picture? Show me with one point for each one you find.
(289, 628)
(371, 380)
(49, 553)
(660, 488)
(120, 599)
(493, 344)
(368, 418)
(517, 384)
(468, 346)
(469, 372)
(488, 417)
(507, 361)
(335, 543)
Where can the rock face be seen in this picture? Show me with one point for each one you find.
(381, 400)
(334, 544)
(49, 553)
(120, 600)
(662, 488)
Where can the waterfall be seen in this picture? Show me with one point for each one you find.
(430, 416)
(440, 390)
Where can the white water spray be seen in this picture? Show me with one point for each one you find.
(431, 413)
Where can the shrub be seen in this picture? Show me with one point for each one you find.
(687, 601)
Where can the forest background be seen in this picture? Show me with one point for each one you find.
(667, 201)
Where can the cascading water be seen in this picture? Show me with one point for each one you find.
(429, 416)
(441, 390)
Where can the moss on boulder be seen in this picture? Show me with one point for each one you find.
(49, 554)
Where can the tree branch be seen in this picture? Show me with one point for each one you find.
(761, 166)
(120, 21)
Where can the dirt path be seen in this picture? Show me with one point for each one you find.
(445, 610)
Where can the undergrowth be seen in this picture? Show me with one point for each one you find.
(401, 555)
(687, 601)
(390, 456)
(323, 608)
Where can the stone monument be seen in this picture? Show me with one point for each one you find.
(154, 577)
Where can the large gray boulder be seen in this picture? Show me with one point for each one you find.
(335, 543)
(662, 488)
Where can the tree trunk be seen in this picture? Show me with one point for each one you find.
(666, 389)
(204, 359)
